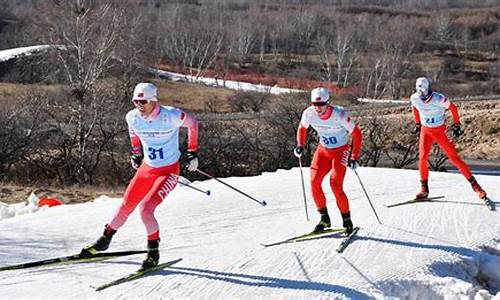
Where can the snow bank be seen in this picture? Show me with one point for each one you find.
(230, 84)
(12, 210)
(452, 279)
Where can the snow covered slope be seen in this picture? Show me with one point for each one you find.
(448, 249)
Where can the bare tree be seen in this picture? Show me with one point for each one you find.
(193, 47)
(375, 133)
(399, 44)
(86, 55)
(403, 148)
(20, 127)
(338, 44)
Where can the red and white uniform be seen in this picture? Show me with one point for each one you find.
(157, 136)
(431, 114)
(333, 128)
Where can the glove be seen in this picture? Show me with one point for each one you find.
(417, 128)
(136, 160)
(192, 159)
(456, 130)
(353, 164)
(298, 151)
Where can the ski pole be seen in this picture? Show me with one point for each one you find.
(263, 203)
(366, 194)
(186, 182)
(303, 188)
(195, 188)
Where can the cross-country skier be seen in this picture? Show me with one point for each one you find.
(333, 126)
(428, 109)
(154, 135)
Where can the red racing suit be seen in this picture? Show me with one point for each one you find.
(431, 114)
(157, 136)
(332, 153)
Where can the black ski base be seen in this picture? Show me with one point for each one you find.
(347, 240)
(71, 259)
(415, 200)
(137, 274)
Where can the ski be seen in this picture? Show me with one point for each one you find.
(415, 200)
(305, 237)
(71, 259)
(137, 274)
(489, 204)
(347, 240)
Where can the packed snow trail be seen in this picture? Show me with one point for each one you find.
(219, 238)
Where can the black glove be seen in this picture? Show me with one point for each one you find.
(298, 151)
(417, 128)
(353, 163)
(192, 159)
(456, 130)
(136, 160)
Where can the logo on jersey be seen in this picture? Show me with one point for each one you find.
(167, 186)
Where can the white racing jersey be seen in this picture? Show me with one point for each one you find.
(432, 112)
(334, 131)
(160, 136)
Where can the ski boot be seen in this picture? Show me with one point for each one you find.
(424, 192)
(324, 222)
(153, 256)
(101, 244)
(477, 188)
(347, 223)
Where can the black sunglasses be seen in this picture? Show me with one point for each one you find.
(140, 102)
(319, 103)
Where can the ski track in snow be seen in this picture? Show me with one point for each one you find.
(422, 250)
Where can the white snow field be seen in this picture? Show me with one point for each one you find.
(447, 249)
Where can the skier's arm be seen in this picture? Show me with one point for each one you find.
(355, 132)
(192, 126)
(454, 113)
(416, 115)
(301, 135)
(357, 140)
(135, 142)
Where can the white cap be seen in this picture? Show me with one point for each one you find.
(422, 86)
(320, 95)
(145, 91)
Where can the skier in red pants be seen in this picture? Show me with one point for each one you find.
(333, 126)
(154, 135)
(428, 109)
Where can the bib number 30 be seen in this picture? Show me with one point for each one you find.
(329, 140)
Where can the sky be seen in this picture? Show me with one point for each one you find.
(447, 249)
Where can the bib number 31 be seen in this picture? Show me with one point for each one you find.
(155, 153)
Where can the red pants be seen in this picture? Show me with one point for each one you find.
(325, 160)
(427, 138)
(149, 186)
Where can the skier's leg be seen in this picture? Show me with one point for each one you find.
(162, 186)
(320, 166)
(339, 164)
(337, 184)
(135, 192)
(449, 149)
(424, 149)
